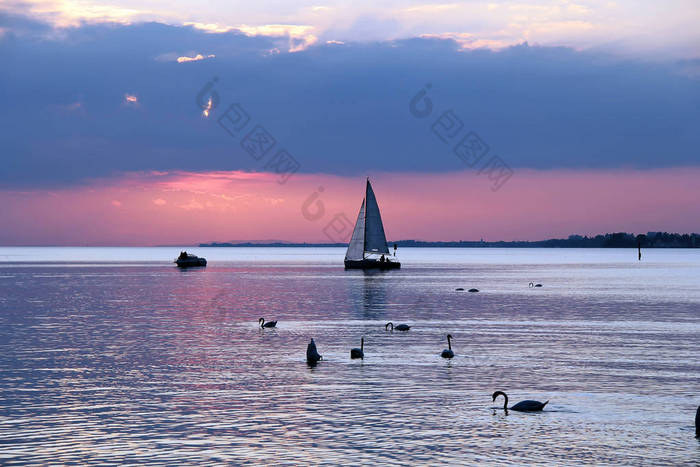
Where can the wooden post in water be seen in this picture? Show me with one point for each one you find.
(639, 250)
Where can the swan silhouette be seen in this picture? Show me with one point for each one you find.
(312, 355)
(448, 353)
(522, 406)
(399, 327)
(269, 324)
(532, 284)
(473, 290)
(358, 353)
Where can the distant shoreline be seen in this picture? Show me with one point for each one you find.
(610, 240)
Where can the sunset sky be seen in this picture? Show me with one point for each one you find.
(153, 123)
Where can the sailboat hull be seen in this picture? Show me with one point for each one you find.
(371, 264)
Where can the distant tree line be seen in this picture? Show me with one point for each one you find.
(609, 240)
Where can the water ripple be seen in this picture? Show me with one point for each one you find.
(149, 365)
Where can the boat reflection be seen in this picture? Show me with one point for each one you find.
(368, 293)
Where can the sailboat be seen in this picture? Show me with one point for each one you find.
(367, 248)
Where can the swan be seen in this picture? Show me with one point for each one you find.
(358, 353)
(532, 284)
(269, 324)
(448, 353)
(399, 327)
(522, 406)
(312, 355)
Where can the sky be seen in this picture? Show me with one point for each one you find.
(151, 123)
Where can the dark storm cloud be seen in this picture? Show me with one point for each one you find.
(336, 108)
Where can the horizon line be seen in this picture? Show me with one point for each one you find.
(282, 243)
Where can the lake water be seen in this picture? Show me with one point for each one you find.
(115, 355)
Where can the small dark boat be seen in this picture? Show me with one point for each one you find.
(188, 260)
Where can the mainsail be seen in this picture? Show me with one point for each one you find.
(375, 240)
(368, 235)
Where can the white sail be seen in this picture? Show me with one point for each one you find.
(356, 247)
(375, 240)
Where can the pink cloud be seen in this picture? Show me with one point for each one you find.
(196, 58)
(232, 205)
(193, 204)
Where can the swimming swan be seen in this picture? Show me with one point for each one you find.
(312, 355)
(269, 324)
(532, 284)
(448, 353)
(400, 327)
(522, 406)
(358, 353)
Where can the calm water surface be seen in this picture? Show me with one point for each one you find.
(115, 355)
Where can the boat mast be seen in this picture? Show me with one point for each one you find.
(364, 237)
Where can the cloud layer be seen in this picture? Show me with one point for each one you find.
(336, 108)
(637, 27)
